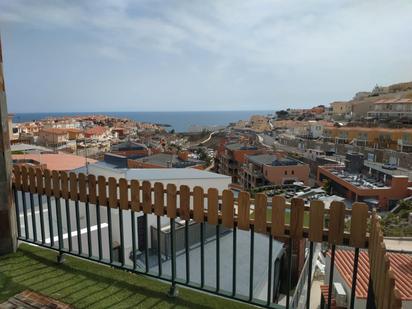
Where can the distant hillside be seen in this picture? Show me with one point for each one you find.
(400, 87)
(395, 91)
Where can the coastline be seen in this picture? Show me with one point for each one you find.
(179, 121)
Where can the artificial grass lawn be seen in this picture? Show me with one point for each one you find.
(85, 284)
(287, 217)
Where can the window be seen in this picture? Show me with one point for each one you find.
(293, 172)
(286, 172)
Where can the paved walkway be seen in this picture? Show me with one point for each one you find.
(31, 300)
(315, 294)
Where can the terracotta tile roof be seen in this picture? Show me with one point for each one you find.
(401, 264)
(366, 129)
(56, 161)
(56, 131)
(74, 130)
(96, 131)
(394, 101)
(324, 289)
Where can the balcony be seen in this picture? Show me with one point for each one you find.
(83, 284)
(147, 230)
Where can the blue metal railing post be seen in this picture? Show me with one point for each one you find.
(173, 292)
(309, 275)
(187, 251)
(69, 225)
(332, 267)
(41, 214)
(78, 228)
(252, 255)
(133, 219)
(202, 255)
(269, 299)
(289, 278)
(99, 230)
(16, 202)
(234, 235)
(26, 225)
(50, 217)
(354, 278)
(159, 249)
(60, 257)
(33, 217)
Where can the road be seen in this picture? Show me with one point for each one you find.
(209, 138)
(268, 141)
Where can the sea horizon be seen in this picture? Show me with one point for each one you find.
(180, 121)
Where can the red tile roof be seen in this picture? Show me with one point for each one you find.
(324, 290)
(96, 131)
(55, 131)
(394, 101)
(56, 161)
(400, 263)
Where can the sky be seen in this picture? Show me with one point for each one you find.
(178, 55)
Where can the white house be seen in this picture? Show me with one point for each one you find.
(315, 129)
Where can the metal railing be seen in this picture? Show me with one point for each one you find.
(109, 221)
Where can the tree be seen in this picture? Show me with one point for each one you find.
(327, 186)
(282, 114)
(203, 156)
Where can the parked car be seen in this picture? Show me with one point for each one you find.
(390, 166)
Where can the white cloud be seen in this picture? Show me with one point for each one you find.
(293, 48)
(263, 32)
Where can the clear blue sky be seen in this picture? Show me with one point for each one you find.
(120, 55)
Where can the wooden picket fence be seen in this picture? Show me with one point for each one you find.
(382, 277)
(241, 212)
(210, 206)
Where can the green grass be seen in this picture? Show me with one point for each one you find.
(287, 217)
(85, 284)
(397, 224)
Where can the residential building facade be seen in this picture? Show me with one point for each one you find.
(52, 137)
(381, 138)
(361, 188)
(341, 110)
(230, 160)
(391, 109)
(272, 169)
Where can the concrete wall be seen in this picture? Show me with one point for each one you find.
(277, 175)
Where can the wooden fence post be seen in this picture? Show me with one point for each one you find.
(8, 226)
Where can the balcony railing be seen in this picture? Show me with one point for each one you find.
(111, 219)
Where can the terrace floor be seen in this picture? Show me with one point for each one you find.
(85, 284)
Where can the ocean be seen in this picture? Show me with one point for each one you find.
(179, 121)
